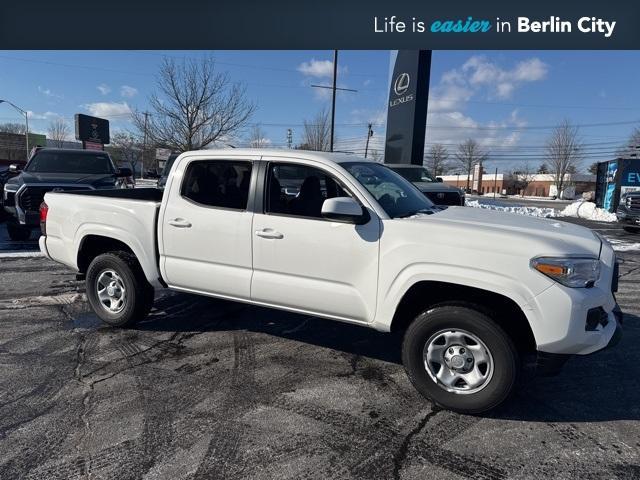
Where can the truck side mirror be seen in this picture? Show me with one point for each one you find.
(15, 168)
(439, 179)
(344, 209)
(124, 172)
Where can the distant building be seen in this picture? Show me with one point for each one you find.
(539, 185)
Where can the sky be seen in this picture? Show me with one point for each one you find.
(508, 101)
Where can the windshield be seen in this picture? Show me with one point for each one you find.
(414, 174)
(398, 197)
(70, 162)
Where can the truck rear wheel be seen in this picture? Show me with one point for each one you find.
(460, 359)
(17, 232)
(117, 289)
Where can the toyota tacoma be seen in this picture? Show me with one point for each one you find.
(476, 293)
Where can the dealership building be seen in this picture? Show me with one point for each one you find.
(537, 185)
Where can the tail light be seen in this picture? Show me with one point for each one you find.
(44, 211)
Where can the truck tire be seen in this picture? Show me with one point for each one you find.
(117, 289)
(18, 233)
(460, 359)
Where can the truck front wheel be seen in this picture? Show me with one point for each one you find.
(117, 289)
(460, 359)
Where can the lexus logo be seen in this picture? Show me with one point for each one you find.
(401, 85)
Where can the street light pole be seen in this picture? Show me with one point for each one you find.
(26, 121)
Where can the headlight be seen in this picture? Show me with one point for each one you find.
(571, 272)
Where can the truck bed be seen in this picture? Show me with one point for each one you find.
(129, 216)
(150, 194)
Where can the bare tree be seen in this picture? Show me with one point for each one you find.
(12, 146)
(127, 149)
(316, 134)
(375, 155)
(437, 159)
(632, 148)
(258, 137)
(58, 132)
(543, 168)
(523, 176)
(468, 155)
(17, 128)
(563, 153)
(195, 106)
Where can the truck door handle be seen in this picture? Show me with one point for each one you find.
(269, 233)
(179, 222)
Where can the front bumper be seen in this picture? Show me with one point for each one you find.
(560, 313)
(627, 217)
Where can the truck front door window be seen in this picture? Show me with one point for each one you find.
(300, 190)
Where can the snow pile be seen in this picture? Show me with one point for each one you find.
(530, 211)
(588, 211)
(622, 246)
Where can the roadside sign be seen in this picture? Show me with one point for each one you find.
(92, 146)
(163, 154)
(92, 129)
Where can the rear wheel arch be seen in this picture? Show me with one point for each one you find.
(92, 246)
(501, 309)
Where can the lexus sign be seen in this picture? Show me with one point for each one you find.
(401, 85)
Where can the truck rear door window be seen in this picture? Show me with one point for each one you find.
(218, 183)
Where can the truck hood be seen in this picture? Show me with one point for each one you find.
(511, 231)
(63, 178)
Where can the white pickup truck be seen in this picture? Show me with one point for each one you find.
(474, 291)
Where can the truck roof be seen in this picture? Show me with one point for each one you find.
(323, 157)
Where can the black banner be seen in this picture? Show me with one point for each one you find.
(285, 24)
(407, 107)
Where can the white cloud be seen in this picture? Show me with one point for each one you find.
(48, 93)
(319, 68)
(128, 92)
(42, 116)
(104, 89)
(478, 71)
(109, 109)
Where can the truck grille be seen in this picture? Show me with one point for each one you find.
(444, 198)
(633, 202)
(32, 196)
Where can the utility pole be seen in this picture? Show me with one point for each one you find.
(369, 135)
(26, 121)
(289, 137)
(495, 182)
(333, 97)
(334, 89)
(144, 145)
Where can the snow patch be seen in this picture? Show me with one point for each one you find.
(530, 211)
(588, 211)
(20, 254)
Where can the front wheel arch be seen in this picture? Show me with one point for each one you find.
(503, 310)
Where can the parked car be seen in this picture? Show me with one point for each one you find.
(475, 291)
(628, 212)
(432, 187)
(162, 180)
(5, 174)
(54, 169)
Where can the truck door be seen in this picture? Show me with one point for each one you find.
(206, 232)
(303, 261)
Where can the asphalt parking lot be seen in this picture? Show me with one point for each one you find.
(211, 389)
